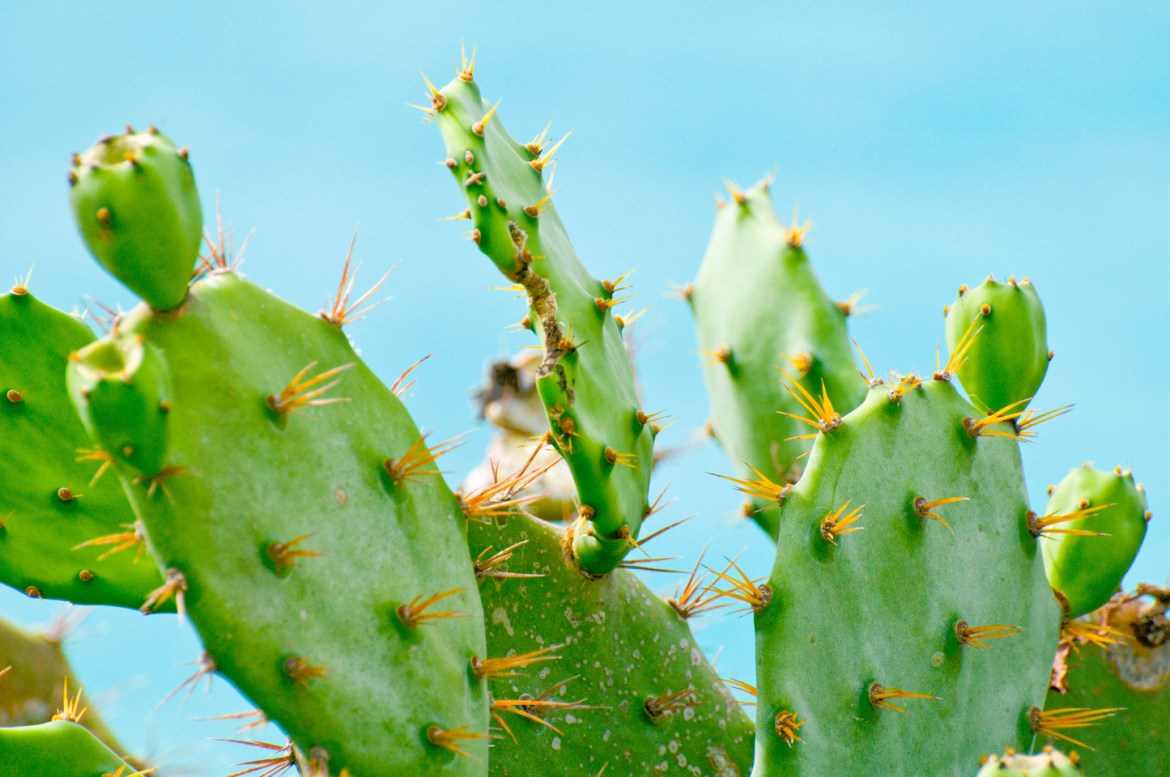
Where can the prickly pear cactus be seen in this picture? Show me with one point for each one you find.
(1007, 361)
(759, 309)
(622, 687)
(300, 520)
(1049, 763)
(1088, 555)
(60, 749)
(907, 620)
(135, 202)
(1122, 673)
(61, 516)
(585, 379)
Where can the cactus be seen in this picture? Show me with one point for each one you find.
(1007, 361)
(903, 551)
(1117, 666)
(1050, 763)
(60, 749)
(585, 378)
(342, 469)
(761, 313)
(134, 200)
(1103, 519)
(61, 517)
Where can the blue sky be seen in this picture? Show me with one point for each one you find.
(930, 144)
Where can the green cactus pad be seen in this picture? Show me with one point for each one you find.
(135, 202)
(872, 597)
(1050, 763)
(50, 504)
(1088, 569)
(585, 380)
(1007, 360)
(305, 527)
(1132, 674)
(624, 648)
(122, 393)
(59, 749)
(38, 678)
(758, 307)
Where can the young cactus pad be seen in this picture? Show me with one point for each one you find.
(135, 202)
(585, 380)
(759, 308)
(1006, 363)
(1087, 556)
(56, 506)
(624, 686)
(302, 522)
(1049, 763)
(907, 620)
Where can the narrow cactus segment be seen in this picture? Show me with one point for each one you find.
(1006, 363)
(59, 749)
(1097, 521)
(55, 501)
(881, 643)
(135, 202)
(1049, 763)
(1128, 672)
(758, 307)
(629, 690)
(293, 546)
(585, 378)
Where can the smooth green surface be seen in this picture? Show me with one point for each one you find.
(60, 749)
(42, 439)
(1088, 569)
(253, 478)
(757, 296)
(1009, 357)
(881, 605)
(625, 645)
(141, 219)
(588, 390)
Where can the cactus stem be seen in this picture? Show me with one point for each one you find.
(977, 636)
(175, 588)
(925, 510)
(879, 697)
(484, 668)
(301, 393)
(787, 724)
(1043, 526)
(419, 455)
(121, 541)
(668, 703)
(1051, 722)
(837, 523)
(824, 418)
(71, 708)
(450, 739)
(415, 613)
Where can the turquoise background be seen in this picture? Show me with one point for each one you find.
(931, 143)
